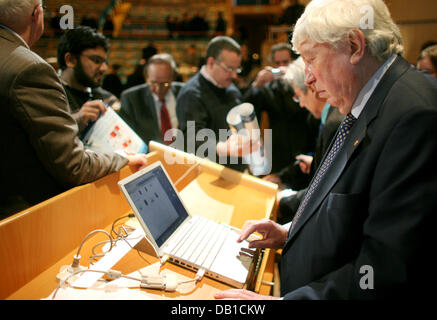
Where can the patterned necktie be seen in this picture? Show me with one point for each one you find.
(342, 134)
(165, 121)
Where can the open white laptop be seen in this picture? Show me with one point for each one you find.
(193, 242)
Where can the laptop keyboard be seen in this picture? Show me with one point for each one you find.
(199, 241)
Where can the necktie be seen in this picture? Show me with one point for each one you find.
(342, 134)
(165, 121)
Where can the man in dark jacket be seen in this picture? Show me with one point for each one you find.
(150, 108)
(206, 99)
(365, 228)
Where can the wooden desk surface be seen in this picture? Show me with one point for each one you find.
(44, 284)
(45, 237)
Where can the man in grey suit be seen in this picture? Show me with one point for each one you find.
(365, 227)
(41, 153)
(150, 108)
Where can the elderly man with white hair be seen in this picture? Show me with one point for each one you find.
(41, 153)
(364, 227)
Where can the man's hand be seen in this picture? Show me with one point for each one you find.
(263, 77)
(305, 163)
(273, 235)
(237, 146)
(91, 110)
(138, 161)
(242, 294)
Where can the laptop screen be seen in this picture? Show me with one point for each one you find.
(157, 203)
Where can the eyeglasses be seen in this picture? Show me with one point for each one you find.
(159, 84)
(97, 59)
(229, 69)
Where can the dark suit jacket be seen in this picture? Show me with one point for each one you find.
(207, 106)
(139, 111)
(289, 205)
(375, 203)
(291, 133)
(41, 155)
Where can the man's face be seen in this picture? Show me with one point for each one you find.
(330, 74)
(310, 101)
(159, 78)
(225, 68)
(91, 67)
(282, 58)
(426, 65)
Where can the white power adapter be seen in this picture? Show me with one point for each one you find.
(166, 282)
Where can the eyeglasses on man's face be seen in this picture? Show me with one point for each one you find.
(229, 69)
(159, 84)
(98, 60)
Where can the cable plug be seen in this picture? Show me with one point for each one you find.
(200, 274)
(166, 282)
(68, 270)
(113, 274)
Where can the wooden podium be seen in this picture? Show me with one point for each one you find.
(38, 241)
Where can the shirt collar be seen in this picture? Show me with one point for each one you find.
(208, 77)
(325, 112)
(370, 87)
(166, 98)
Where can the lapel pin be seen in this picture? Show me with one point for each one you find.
(356, 143)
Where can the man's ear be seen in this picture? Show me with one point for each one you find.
(210, 62)
(357, 44)
(70, 60)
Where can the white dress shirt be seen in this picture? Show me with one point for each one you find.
(367, 91)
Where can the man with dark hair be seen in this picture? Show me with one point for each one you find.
(150, 108)
(82, 57)
(41, 153)
(207, 97)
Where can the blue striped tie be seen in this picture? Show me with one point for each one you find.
(342, 133)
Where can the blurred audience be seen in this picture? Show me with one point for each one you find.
(112, 81)
(294, 130)
(427, 61)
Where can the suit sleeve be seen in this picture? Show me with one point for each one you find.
(126, 111)
(396, 242)
(43, 111)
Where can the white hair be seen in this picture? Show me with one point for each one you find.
(331, 21)
(14, 12)
(296, 74)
